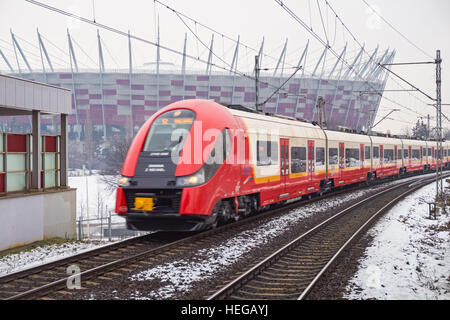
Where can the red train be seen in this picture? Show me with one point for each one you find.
(196, 163)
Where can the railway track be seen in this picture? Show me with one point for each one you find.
(291, 272)
(110, 260)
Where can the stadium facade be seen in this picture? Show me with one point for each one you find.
(119, 102)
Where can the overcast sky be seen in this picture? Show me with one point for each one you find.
(425, 23)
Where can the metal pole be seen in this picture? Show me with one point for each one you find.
(257, 82)
(109, 226)
(439, 186)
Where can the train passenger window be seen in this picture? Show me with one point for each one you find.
(351, 158)
(267, 154)
(406, 153)
(388, 156)
(333, 155)
(367, 153)
(376, 152)
(399, 154)
(429, 152)
(320, 156)
(415, 154)
(298, 159)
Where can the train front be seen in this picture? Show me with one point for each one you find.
(169, 180)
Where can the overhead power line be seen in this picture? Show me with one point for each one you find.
(396, 30)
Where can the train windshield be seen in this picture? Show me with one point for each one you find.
(169, 131)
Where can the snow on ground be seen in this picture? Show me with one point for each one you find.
(410, 254)
(181, 275)
(101, 199)
(41, 255)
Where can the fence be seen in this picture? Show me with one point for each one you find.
(104, 228)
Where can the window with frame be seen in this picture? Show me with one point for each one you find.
(429, 152)
(406, 153)
(333, 154)
(352, 158)
(298, 159)
(267, 153)
(388, 156)
(415, 154)
(399, 154)
(320, 156)
(376, 152)
(367, 153)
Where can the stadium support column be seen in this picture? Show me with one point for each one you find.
(280, 61)
(234, 64)
(73, 61)
(333, 103)
(301, 64)
(6, 61)
(209, 65)
(130, 131)
(439, 184)
(183, 65)
(102, 70)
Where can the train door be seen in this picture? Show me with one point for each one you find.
(395, 155)
(341, 158)
(421, 155)
(284, 160)
(311, 160)
(409, 154)
(361, 156)
(381, 156)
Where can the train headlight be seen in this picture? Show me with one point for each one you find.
(192, 180)
(124, 182)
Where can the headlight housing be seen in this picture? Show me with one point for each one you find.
(124, 181)
(195, 179)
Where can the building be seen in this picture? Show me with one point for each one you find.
(35, 200)
(118, 102)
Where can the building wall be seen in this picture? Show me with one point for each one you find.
(29, 218)
(114, 96)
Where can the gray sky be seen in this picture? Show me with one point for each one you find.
(426, 23)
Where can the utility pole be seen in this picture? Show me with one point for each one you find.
(321, 112)
(439, 184)
(257, 82)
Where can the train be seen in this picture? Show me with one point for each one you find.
(195, 164)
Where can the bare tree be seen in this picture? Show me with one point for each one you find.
(114, 157)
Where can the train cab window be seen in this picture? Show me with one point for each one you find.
(388, 156)
(351, 158)
(376, 152)
(333, 155)
(320, 156)
(298, 159)
(169, 131)
(367, 153)
(267, 154)
(399, 154)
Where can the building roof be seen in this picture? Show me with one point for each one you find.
(20, 97)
